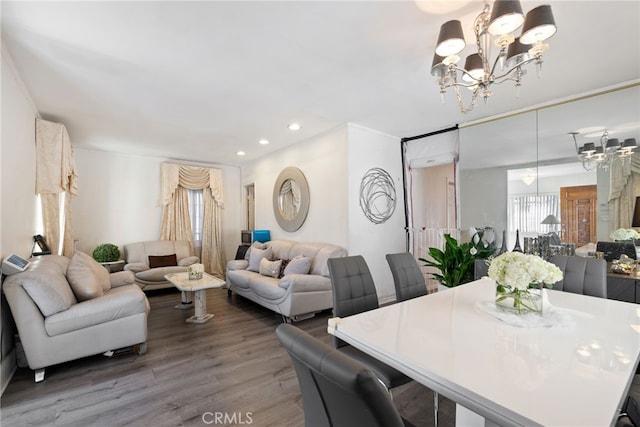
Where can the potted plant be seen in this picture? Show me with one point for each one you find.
(106, 252)
(456, 262)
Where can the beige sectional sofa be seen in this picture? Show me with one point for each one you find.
(139, 258)
(293, 291)
(67, 309)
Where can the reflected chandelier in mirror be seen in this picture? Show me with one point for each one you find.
(601, 156)
(291, 199)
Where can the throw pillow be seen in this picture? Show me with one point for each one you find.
(256, 256)
(258, 245)
(51, 293)
(162, 260)
(270, 268)
(88, 279)
(298, 265)
(284, 264)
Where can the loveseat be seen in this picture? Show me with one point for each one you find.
(67, 309)
(298, 289)
(151, 261)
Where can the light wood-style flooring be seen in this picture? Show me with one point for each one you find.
(231, 365)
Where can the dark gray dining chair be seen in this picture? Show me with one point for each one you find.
(587, 276)
(407, 276)
(354, 292)
(336, 390)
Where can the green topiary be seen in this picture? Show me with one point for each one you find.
(106, 252)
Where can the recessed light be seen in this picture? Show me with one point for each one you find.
(263, 141)
(294, 126)
(240, 153)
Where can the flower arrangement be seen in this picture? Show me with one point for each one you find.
(517, 275)
(624, 234)
(195, 271)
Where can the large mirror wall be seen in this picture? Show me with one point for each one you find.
(508, 166)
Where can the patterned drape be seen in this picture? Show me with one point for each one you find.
(625, 187)
(176, 179)
(56, 183)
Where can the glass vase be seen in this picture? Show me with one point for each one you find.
(518, 301)
(195, 275)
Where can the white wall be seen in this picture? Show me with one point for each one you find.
(17, 192)
(334, 164)
(371, 149)
(118, 200)
(483, 199)
(323, 161)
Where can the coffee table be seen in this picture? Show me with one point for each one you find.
(199, 288)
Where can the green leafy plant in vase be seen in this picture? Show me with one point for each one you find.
(106, 252)
(456, 262)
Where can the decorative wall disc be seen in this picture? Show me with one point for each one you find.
(377, 195)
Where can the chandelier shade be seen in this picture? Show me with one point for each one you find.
(494, 25)
(506, 16)
(539, 25)
(451, 39)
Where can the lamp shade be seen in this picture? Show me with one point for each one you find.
(506, 16)
(589, 148)
(473, 65)
(451, 39)
(635, 222)
(438, 69)
(612, 145)
(629, 143)
(517, 53)
(539, 25)
(550, 220)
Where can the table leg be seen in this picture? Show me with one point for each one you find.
(186, 303)
(201, 314)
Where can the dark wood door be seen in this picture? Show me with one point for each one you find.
(578, 211)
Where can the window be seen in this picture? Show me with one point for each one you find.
(196, 218)
(526, 212)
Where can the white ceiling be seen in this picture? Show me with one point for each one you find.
(202, 80)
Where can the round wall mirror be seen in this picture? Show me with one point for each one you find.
(291, 199)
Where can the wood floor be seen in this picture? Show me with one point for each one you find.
(231, 367)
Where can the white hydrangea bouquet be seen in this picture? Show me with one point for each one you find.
(519, 278)
(623, 234)
(195, 271)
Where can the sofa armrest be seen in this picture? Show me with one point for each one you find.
(136, 267)
(305, 283)
(238, 264)
(121, 278)
(188, 260)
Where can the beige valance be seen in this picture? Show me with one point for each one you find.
(191, 178)
(55, 167)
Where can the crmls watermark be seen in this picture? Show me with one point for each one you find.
(227, 418)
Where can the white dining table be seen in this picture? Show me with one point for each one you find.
(575, 371)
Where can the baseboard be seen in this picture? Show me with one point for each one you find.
(8, 367)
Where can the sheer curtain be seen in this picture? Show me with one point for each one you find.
(176, 181)
(56, 183)
(196, 207)
(625, 187)
(526, 212)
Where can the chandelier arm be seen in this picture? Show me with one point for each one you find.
(464, 72)
(512, 69)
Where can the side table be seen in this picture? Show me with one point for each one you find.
(113, 266)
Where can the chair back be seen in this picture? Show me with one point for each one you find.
(587, 276)
(336, 390)
(353, 288)
(407, 276)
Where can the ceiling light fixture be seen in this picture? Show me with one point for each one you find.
(294, 126)
(600, 156)
(240, 153)
(478, 74)
(263, 141)
(528, 178)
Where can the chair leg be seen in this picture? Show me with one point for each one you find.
(39, 375)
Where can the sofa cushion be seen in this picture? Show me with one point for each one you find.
(240, 278)
(187, 261)
(298, 265)
(256, 256)
(157, 274)
(266, 287)
(50, 292)
(270, 268)
(88, 279)
(117, 303)
(156, 261)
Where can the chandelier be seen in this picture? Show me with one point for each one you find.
(480, 73)
(602, 155)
